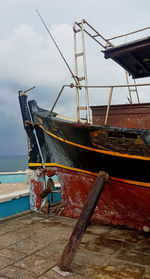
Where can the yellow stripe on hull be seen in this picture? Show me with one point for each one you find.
(131, 182)
(112, 153)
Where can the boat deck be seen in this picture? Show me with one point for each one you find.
(31, 246)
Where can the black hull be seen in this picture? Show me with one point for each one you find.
(123, 153)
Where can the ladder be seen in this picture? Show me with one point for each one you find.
(79, 28)
(84, 77)
(134, 89)
(84, 27)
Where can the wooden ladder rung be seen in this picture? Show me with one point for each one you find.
(81, 78)
(82, 108)
(133, 90)
(79, 54)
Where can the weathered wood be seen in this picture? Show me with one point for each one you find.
(82, 222)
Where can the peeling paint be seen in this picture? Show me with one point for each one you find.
(119, 204)
(37, 185)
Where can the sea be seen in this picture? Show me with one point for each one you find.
(13, 163)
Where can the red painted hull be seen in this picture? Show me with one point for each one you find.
(120, 203)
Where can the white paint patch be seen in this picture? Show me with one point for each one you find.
(61, 272)
(146, 229)
(14, 195)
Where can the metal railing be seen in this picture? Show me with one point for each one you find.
(111, 87)
(105, 43)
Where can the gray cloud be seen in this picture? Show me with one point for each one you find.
(28, 56)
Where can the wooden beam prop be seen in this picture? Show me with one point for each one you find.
(82, 222)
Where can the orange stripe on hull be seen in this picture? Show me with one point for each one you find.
(126, 181)
(112, 153)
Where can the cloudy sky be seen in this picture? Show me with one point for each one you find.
(29, 58)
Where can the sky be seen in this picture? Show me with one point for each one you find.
(29, 58)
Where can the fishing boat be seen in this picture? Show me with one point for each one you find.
(117, 141)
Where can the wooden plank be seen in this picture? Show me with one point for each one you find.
(82, 222)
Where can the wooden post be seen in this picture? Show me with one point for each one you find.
(82, 222)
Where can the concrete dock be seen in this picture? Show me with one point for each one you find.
(9, 188)
(31, 246)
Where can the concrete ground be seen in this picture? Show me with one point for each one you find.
(31, 246)
(6, 188)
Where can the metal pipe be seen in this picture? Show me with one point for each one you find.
(108, 86)
(94, 36)
(29, 89)
(108, 106)
(37, 141)
(130, 33)
(76, 72)
(93, 86)
(58, 96)
(130, 97)
(57, 99)
(91, 35)
(137, 92)
(85, 74)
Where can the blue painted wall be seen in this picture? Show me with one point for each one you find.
(14, 206)
(22, 204)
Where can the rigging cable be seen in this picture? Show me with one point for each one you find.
(75, 78)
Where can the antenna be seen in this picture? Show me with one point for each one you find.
(75, 78)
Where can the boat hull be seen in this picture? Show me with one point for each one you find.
(120, 203)
(76, 152)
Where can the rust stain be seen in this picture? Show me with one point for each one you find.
(122, 142)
